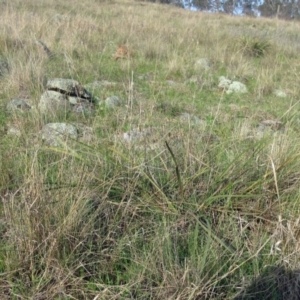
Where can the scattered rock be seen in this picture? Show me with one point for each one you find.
(270, 124)
(193, 79)
(12, 131)
(137, 135)
(237, 87)
(268, 127)
(280, 93)
(112, 102)
(202, 64)
(232, 86)
(69, 87)
(85, 133)
(64, 95)
(192, 119)
(18, 104)
(171, 82)
(53, 102)
(85, 108)
(58, 18)
(224, 82)
(54, 133)
(147, 76)
(4, 68)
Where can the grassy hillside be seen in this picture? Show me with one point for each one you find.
(206, 208)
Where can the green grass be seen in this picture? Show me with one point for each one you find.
(195, 211)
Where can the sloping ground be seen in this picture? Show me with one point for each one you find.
(184, 191)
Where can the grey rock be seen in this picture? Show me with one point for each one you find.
(147, 76)
(270, 124)
(68, 86)
(113, 101)
(193, 79)
(18, 104)
(269, 127)
(55, 133)
(237, 87)
(4, 68)
(74, 100)
(202, 64)
(192, 119)
(85, 133)
(224, 82)
(280, 94)
(58, 18)
(232, 86)
(83, 107)
(12, 131)
(171, 82)
(137, 135)
(53, 102)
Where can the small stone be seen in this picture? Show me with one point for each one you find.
(112, 102)
(4, 68)
(83, 108)
(85, 133)
(280, 94)
(272, 124)
(136, 135)
(224, 82)
(54, 133)
(14, 132)
(192, 119)
(193, 79)
(53, 102)
(171, 82)
(237, 87)
(18, 104)
(231, 86)
(202, 64)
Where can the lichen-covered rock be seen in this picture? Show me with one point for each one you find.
(192, 119)
(137, 134)
(18, 104)
(202, 64)
(224, 82)
(68, 86)
(13, 131)
(280, 94)
(55, 133)
(53, 102)
(112, 102)
(83, 107)
(270, 124)
(4, 68)
(269, 127)
(232, 86)
(237, 87)
(85, 133)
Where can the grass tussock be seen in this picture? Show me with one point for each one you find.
(204, 206)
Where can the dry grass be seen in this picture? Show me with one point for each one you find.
(197, 218)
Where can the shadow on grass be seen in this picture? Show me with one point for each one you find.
(275, 283)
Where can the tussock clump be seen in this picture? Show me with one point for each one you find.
(253, 46)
